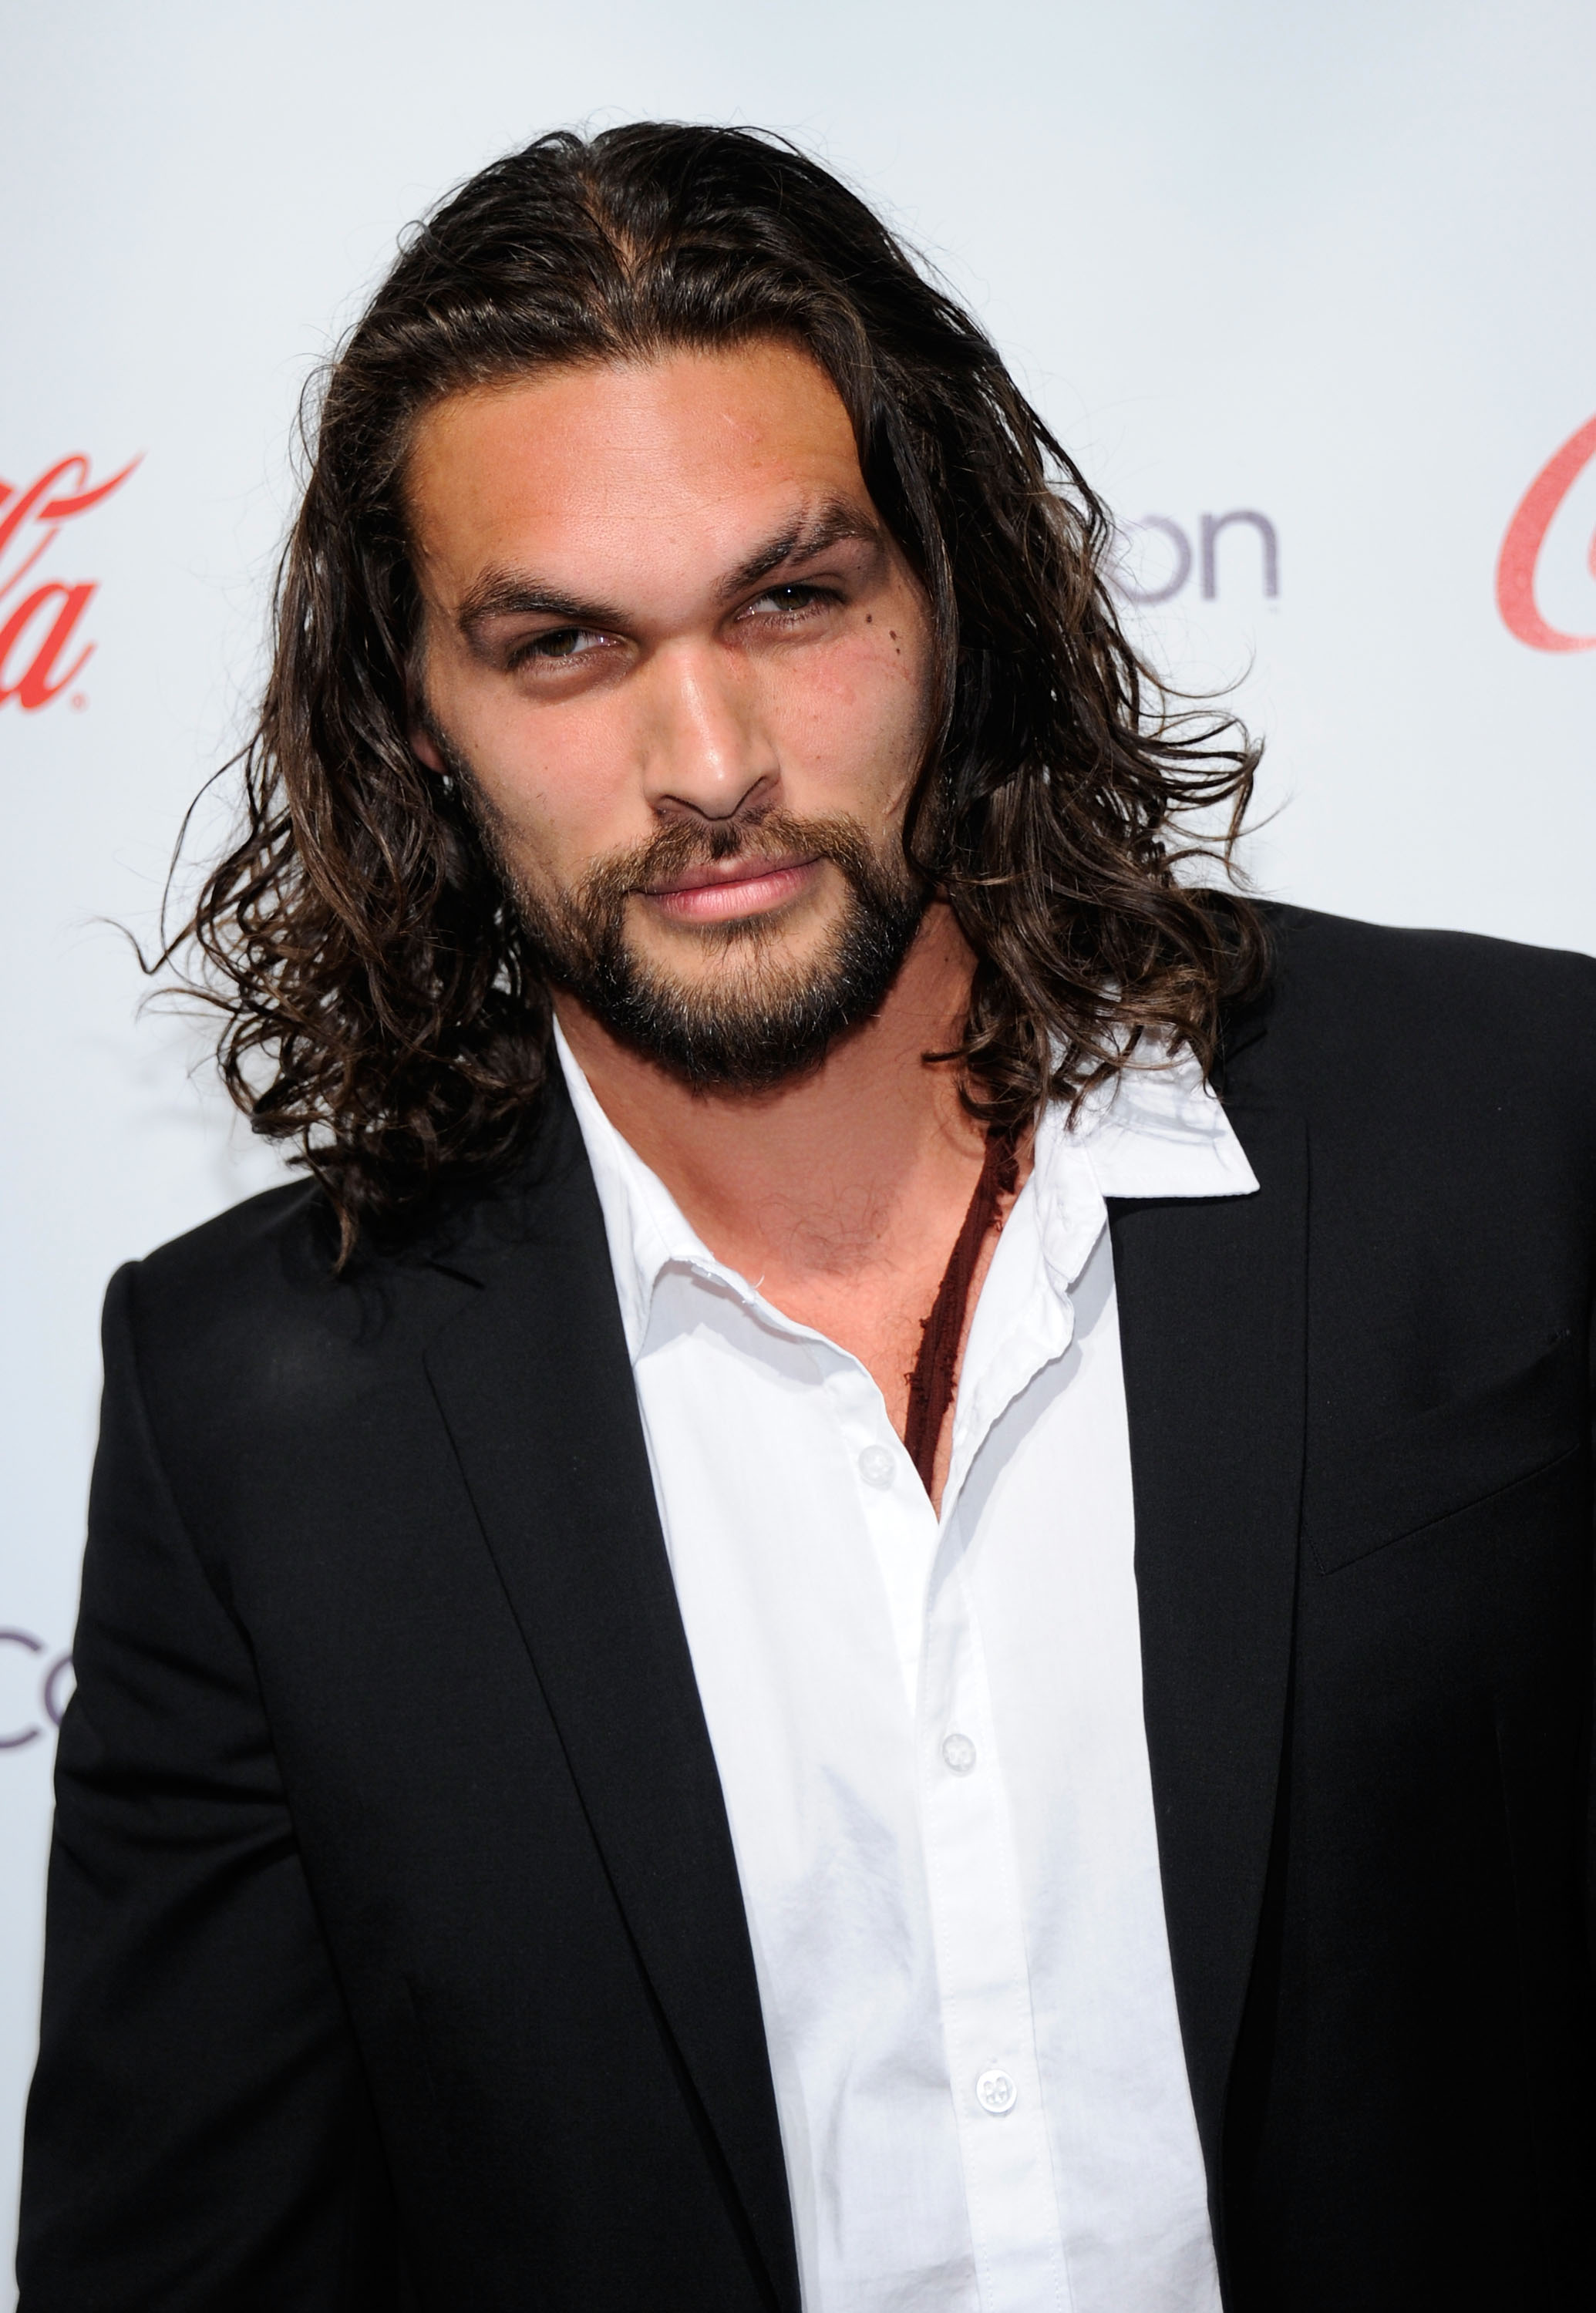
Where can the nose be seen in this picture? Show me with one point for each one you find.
(705, 755)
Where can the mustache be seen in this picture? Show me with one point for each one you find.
(778, 837)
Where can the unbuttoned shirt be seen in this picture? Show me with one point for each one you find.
(929, 1734)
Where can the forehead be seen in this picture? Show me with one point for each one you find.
(693, 453)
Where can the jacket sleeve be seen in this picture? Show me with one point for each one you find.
(199, 2134)
(1589, 1857)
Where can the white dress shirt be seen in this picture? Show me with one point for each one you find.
(929, 1734)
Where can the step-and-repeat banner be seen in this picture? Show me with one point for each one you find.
(1305, 291)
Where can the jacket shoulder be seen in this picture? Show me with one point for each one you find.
(216, 1313)
(251, 1310)
(273, 1252)
(1454, 1014)
(288, 1227)
(1310, 946)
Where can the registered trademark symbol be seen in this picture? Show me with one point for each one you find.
(80, 698)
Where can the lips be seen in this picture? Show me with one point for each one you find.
(715, 890)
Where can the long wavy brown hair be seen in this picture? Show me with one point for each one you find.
(384, 1012)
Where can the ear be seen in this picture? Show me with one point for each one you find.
(422, 734)
(425, 749)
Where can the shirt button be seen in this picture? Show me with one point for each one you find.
(958, 1754)
(995, 2092)
(876, 1466)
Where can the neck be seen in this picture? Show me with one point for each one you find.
(851, 1168)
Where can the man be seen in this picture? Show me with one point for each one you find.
(882, 1598)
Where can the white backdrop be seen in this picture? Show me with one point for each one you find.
(1322, 268)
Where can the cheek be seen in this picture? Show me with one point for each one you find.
(558, 782)
(853, 727)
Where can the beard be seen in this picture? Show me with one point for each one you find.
(753, 1015)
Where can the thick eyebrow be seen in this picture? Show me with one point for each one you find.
(513, 593)
(500, 593)
(803, 540)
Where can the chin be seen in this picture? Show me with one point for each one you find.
(751, 952)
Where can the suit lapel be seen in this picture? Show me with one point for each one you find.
(1213, 1311)
(536, 1387)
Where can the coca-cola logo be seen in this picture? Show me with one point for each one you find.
(36, 1682)
(1520, 558)
(41, 652)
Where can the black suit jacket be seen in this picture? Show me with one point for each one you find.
(396, 1954)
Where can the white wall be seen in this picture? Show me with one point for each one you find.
(1326, 265)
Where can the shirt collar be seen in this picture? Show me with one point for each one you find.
(1154, 1130)
(1158, 1130)
(646, 1227)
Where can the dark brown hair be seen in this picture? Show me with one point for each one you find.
(384, 1009)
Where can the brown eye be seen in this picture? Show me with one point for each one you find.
(793, 602)
(557, 646)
